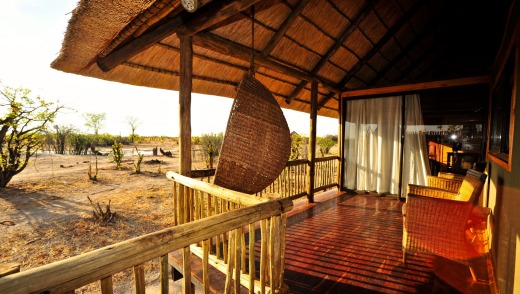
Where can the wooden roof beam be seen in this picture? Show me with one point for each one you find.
(224, 46)
(409, 88)
(390, 34)
(339, 41)
(325, 99)
(184, 23)
(284, 27)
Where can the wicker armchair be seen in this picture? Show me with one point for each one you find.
(440, 182)
(435, 220)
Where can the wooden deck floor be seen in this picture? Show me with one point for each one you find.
(352, 244)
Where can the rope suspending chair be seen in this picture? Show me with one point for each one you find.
(257, 142)
(435, 220)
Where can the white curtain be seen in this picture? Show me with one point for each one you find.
(373, 145)
(416, 165)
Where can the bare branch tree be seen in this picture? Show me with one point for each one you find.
(133, 122)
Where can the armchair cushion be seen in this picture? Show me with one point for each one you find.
(444, 183)
(432, 192)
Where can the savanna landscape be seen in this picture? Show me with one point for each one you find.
(65, 192)
(45, 213)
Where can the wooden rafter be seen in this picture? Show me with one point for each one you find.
(184, 23)
(398, 25)
(284, 27)
(374, 92)
(426, 54)
(325, 99)
(404, 52)
(338, 42)
(218, 44)
(225, 63)
(177, 73)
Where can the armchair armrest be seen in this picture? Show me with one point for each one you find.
(431, 192)
(444, 183)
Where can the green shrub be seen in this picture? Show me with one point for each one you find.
(117, 154)
(137, 163)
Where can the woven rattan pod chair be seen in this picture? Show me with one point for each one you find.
(257, 142)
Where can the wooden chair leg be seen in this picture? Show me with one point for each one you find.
(477, 272)
(473, 275)
(404, 256)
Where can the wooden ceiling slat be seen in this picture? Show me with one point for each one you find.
(344, 34)
(177, 73)
(284, 27)
(402, 21)
(404, 52)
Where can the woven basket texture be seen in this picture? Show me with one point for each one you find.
(451, 176)
(444, 183)
(257, 142)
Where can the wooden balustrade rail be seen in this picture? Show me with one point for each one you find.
(231, 252)
(291, 183)
(71, 273)
(292, 180)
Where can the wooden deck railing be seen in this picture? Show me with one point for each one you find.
(232, 251)
(292, 181)
(224, 221)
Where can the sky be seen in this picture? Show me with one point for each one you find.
(31, 34)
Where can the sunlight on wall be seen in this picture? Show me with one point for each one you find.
(516, 287)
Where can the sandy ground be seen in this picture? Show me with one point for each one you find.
(45, 215)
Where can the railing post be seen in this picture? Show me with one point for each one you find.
(107, 286)
(164, 274)
(312, 142)
(139, 279)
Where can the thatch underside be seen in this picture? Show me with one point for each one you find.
(344, 45)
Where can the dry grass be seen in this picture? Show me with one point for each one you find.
(53, 218)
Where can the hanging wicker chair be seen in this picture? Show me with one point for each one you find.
(257, 143)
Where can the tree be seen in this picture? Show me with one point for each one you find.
(133, 122)
(22, 124)
(296, 145)
(94, 121)
(62, 136)
(211, 144)
(325, 144)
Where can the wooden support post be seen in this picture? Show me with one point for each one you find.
(312, 142)
(186, 66)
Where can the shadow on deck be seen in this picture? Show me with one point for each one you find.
(347, 243)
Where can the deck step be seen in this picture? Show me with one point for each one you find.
(217, 279)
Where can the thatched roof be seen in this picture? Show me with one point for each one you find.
(342, 44)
